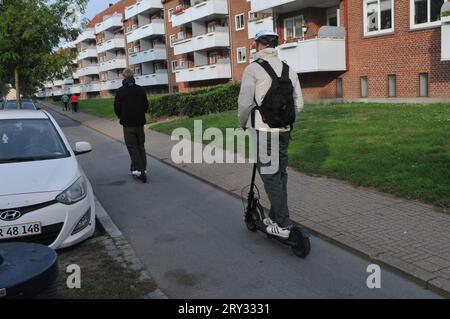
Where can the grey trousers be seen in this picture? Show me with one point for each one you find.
(275, 184)
(135, 142)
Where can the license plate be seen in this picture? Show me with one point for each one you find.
(23, 230)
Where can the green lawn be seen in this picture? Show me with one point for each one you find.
(401, 149)
(98, 107)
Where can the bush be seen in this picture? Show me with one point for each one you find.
(205, 101)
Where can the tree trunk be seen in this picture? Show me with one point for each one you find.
(16, 79)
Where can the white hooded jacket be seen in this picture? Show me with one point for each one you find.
(255, 85)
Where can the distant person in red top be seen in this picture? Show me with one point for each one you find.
(74, 102)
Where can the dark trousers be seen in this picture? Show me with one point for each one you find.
(65, 106)
(275, 184)
(135, 142)
(74, 107)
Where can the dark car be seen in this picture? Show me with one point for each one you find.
(27, 104)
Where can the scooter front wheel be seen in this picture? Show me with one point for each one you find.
(302, 246)
(250, 223)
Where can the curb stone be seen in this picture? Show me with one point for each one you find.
(121, 251)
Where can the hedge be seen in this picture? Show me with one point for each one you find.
(205, 101)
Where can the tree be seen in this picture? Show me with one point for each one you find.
(30, 32)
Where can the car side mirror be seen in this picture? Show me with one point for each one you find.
(82, 148)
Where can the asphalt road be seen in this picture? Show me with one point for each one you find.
(192, 238)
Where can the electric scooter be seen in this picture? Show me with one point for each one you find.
(254, 216)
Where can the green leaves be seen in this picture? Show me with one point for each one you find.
(30, 32)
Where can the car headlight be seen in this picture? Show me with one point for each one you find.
(73, 194)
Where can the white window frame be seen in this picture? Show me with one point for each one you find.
(425, 25)
(378, 32)
(236, 17)
(240, 50)
(172, 39)
(285, 28)
(174, 65)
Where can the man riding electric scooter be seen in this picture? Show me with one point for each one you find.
(269, 101)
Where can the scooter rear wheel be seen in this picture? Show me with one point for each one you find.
(302, 245)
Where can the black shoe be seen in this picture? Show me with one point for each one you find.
(143, 177)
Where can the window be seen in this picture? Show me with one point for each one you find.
(169, 15)
(172, 39)
(339, 88)
(241, 55)
(392, 85)
(423, 79)
(364, 87)
(174, 65)
(293, 28)
(213, 58)
(211, 26)
(378, 17)
(137, 71)
(181, 35)
(130, 50)
(425, 13)
(240, 22)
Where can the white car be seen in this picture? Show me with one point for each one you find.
(45, 197)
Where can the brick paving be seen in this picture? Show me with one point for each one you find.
(406, 235)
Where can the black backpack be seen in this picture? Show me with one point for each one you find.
(278, 107)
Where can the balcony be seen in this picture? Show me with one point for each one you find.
(153, 79)
(112, 22)
(206, 9)
(258, 25)
(203, 42)
(75, 89)
(58, 92)
(155, 28)
(113, 44)
(113, 64)
(157, 53)
(111, 85)
(324, 53)
(87, 54)
(58, 82)
(87, 70)
(91, 87)
(285, 6)
(68, 81)
(87, 35)
(206, 72)
(143, 6)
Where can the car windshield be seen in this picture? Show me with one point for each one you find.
(24, 140)
(26, 105)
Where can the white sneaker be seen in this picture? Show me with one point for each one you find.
(269, 222)
(136, 173)
(276, 230)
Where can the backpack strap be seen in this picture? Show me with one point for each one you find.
(268, 68)
(285, 73)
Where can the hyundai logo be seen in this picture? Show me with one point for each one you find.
(10, 215)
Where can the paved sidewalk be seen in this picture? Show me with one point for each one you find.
(408, 236)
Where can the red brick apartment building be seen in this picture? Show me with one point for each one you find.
(341, 49)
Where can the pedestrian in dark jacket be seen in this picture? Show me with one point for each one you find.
(130, 106)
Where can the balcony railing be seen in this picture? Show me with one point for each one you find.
(87, 70)
(160, 78)
(87, 53)
(155, 28)
(117, 42)
(86, 35)
(157, 53)
(326, 52)
(221, 70)
(112, 84)
(91, 87)
(200, 11)
(286, 6)
(257, 25)
(75, 89)
(113, 64)
(219, 38)
(142, 6)
(112, 22)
